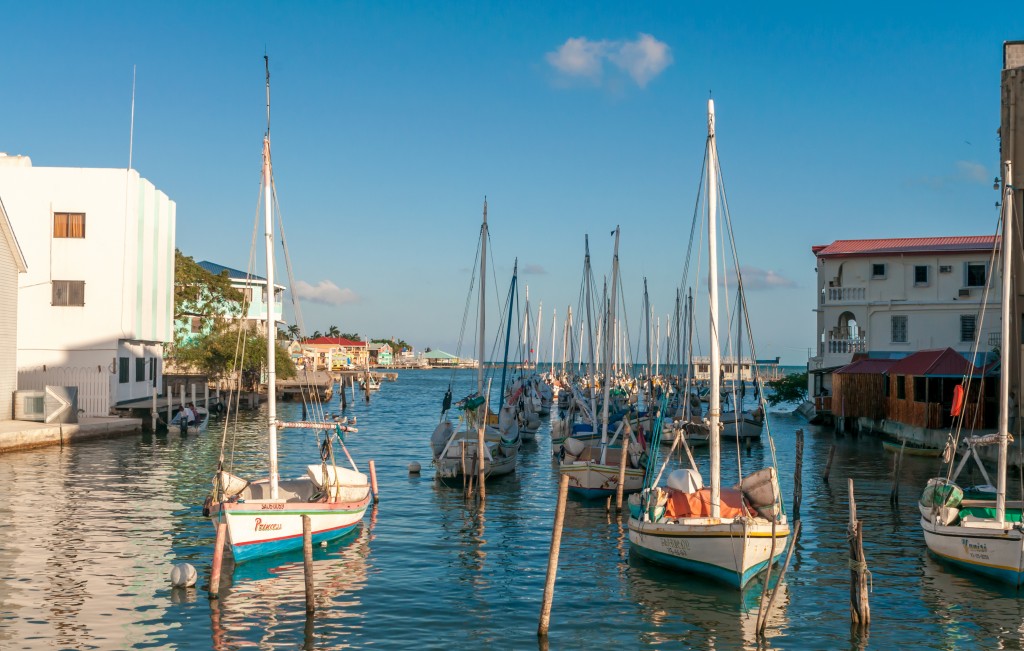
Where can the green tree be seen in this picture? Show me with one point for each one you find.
(352, 336)
(316, 335)
(397, 345)
(203, 302)
(293, 331)
(333, 331)
(229, 351)
(790, 388)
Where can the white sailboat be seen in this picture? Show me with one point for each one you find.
(726, 534)
(264, 516)
(983, 535)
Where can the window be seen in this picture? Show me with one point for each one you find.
(68, 292)
(901, 387)
(886, 386)
(69, 224)
(196, 325)
(152, 370)
(140, 369)
(878, 270)
(920, 392)
(122, 370)
(967, 322)
(974, 274)
(899, 329)
(920, 275)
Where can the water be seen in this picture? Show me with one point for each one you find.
(91, 531)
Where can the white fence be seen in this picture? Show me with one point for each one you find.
(93, 386)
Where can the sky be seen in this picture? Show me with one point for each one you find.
(391, 121)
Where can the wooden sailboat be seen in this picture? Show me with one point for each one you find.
(983, 535)
(264, 516)
(456, 447)
(725, 534)
(593, 467)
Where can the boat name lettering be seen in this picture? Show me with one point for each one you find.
(276, 507)
(975, 550)
(266, 527)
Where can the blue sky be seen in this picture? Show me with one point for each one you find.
(392, 121)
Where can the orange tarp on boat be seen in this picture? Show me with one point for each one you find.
(698, 505)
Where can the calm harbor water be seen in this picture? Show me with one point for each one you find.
(91, 531)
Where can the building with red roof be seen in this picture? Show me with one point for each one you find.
(890, 298)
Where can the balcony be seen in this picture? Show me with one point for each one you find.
(840, 295)
(839, 344)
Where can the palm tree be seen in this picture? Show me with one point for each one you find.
(333, 331)
(316, 334)
(293, 331)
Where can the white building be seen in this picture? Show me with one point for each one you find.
(12, 263)
(889, 298)
(96, 305)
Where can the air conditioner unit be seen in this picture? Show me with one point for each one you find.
(964, 293)
(29, 404)
(945, 269)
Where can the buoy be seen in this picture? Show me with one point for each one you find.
(183, 575)
(414, 468)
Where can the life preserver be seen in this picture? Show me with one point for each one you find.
(958, 400)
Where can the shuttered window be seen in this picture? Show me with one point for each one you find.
(140, 369)
(122, 370)
(68, 293)
(967, 322)
(899, 329)
(69, 224)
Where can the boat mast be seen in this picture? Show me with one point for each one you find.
(483, 298)
(591, 371)
(271, 326)
(536, 349)
(554, 321)
(610, 314)
(714, 399)
(1004, 346)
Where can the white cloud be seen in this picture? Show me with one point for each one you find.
(534, 269)
(755, 278)
(641, 59)
(973, 172)
(325, 292)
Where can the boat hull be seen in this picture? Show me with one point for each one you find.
(593, 480)
(731, 552)
(992, 552)
(256, 529)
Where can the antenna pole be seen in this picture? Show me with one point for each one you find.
(266, 64)
(131, 128)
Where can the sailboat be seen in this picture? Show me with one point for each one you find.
(983, 535)
(725, 534)
(455, 451)
(264, 516)
(593, 466)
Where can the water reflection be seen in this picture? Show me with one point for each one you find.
(272, 591)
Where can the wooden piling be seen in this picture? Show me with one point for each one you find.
(897, 467)
(782, 575)
(307, 561)
(860, 609)
(798, 477)
(556, 543)
(373, 482)
(463, 444)
(828, 464)
(206, 398)
(153, 419)
(626, 432)
(218, 559)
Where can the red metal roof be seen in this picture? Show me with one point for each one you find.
(942, 362)
(869, 366)
(337, 341)
(906, 245)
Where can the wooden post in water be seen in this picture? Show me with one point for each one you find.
(626, 431)
(344, 396)
(218, 558)
(798, 477)
(828, 464)
(206, 398)
(373, 481)
(463, 444)
(153, 419)
(860, 609)
(897, 466)
(307, 561)
(192, 393)
(556, 544)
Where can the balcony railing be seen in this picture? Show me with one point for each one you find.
(845, 294)
(847, 345)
